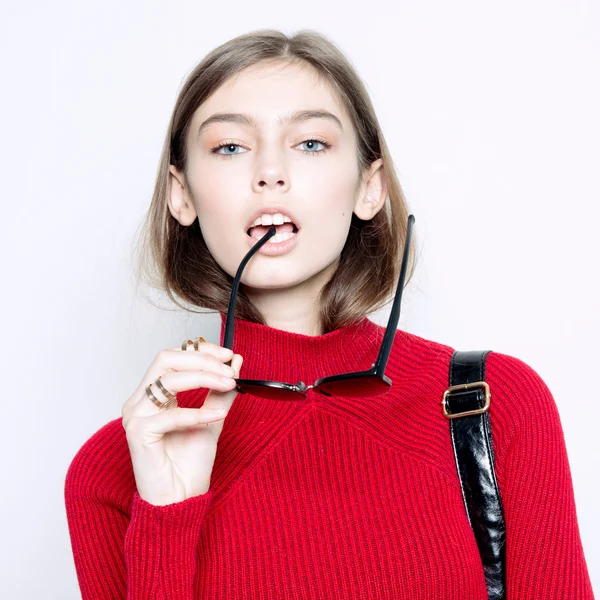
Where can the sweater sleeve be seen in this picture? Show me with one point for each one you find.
(125, 548)
(151, 555)
(544, 553)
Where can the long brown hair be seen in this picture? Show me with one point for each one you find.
(175, 259)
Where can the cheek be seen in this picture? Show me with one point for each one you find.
(219, 202)
(331, 196)
(215, 191)
(335, 176)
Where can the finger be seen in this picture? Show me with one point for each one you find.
(167, 361)
(151, 429)
(178, 360)
(208, 348)
(180, 381)
(224, 401)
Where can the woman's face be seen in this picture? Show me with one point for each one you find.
(272, 162)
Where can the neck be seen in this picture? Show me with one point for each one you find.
(293, 308)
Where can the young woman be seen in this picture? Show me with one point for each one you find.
(274, 156)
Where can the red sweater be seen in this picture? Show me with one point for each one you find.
(335, 497)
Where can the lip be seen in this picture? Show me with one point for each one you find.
(271, 210)
(271, 249)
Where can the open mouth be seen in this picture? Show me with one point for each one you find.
(283, 232)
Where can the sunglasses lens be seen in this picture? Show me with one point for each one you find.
(270, 392)
(355, 387)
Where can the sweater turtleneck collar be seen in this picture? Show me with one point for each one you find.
(279, 355)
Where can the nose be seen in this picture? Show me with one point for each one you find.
(271, 180)
(271, 175)
(263, 183)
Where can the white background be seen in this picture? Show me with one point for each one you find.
(491, 112)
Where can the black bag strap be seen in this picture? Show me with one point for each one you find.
(465, 404)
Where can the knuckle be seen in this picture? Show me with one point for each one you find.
(127, 411)
(131, 428)
(210, 363)
(162, 356)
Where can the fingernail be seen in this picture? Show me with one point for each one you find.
(225, 352)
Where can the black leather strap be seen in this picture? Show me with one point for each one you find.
(471, 437)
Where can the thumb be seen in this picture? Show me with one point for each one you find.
(236, 364)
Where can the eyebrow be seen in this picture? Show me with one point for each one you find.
(245, 119)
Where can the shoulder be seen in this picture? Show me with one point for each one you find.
(521, 402)
(519, 390)
(102, 466)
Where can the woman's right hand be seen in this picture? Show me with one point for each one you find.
(173, 449)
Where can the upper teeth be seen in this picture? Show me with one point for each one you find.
(275, 219)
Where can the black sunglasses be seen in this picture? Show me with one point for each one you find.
(372, 382)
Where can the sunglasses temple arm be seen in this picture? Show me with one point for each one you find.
(392, 325)
(229, 323)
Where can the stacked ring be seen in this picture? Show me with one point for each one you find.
(171, 398)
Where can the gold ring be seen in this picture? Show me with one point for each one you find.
(196, 342)
(171, 397)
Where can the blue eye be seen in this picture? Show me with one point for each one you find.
(326, 145)
(232, 146)
(228, 146)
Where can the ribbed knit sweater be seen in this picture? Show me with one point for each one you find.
(335, 497)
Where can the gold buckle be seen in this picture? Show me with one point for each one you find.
(464, 387)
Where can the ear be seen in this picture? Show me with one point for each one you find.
(372, 193)
(180, 205)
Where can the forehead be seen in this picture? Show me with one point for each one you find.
(270, 91)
